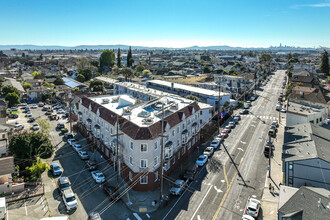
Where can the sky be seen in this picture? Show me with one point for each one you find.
(166, 23)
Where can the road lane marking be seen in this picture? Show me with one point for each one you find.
(218, 190)
(26, 212)
(240, 149)
(148, 215)
(199, 218)
(224, 171)
(137, 216)
(201, 202)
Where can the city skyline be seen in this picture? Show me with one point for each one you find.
(166, 23)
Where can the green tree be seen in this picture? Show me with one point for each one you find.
(87, 73)
(96, 86)
(80, 78)
(145, 72)
(324, 66)
(94, 63)
(129, 57)
(27, 85)
(107, 59)
(127, 73)
(9, 89)
(44, 125)
(194, 98)
(12, 98)
(38, 75)
(36, 170)
(293, 60)
(46, 84)
(59, 81)
(266, 59)
(206, 69)
(118, 58)
(45, 96)
(139, 68)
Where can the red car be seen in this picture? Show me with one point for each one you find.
(41, 104)
(224, 134)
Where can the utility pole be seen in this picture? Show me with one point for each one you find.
(270, 154)
(117, 162)
(162, 157)
(219, 106)
(70, 110)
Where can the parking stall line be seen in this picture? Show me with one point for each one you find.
(137, 216)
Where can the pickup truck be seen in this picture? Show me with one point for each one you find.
(179, 186)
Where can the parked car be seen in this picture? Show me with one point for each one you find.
(41, 104)
(98, 176)
(283, 110)
(31, 119)
(71, 141)
(215, 143)
(111, 191)
(278, 107)
(191, 172)
(253, 207)
(247, 217)
(235, 120)
(35, 127)
(60, 111)
(228, 128)
(83, 155)
(271, 132)
(202, 159)
(68, 135)
(91, 165)
(13, 109)
(224, 133)
(77, 147)
(28, 114)
(34, 106)
(18, 127)
(63, 184)
(49, 112)
(60, 125)
(238, 117)
(275, 123)
(244, 112)
(14, 115)
(179, 187)
(94, 216)
(253, 97)
(45, 108)
(208, 151)
(55, 169)
(232, 124)
(69, 200)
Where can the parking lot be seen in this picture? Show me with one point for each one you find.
(89, 194)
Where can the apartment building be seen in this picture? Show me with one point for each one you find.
(210, 97)
(139, 123)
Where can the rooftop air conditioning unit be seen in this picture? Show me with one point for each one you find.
(115, 99)
(105, 101)
(148, 120)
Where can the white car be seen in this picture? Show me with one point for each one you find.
(179, 187)
(60, 111)
(69, 199)
(34, 106)
(253, 207)
(29, 114)
(247, 217)
(98, 176)
(231, 124)
(283, 110)
(215, 143)
(71, 141)
(77, 147)
(208, 151)
(83, 155)
(35, 127)
(18, 127)
(202, 159)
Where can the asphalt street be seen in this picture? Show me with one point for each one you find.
(219, 192)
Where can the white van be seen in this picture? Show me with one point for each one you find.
(278, 107)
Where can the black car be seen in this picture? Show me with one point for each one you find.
(31, 119)
(13, 115)
(191, 172)
(244, 112)
(111, 191)
(60, 125)
(91, 165)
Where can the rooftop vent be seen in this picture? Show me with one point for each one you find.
(105, 101)
(144, 114)
(115, 99)
(127, 111)
(148, 120)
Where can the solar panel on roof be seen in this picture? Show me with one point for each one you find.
(70, 83)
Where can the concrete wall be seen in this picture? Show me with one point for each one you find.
(294, 119)
(313, 172)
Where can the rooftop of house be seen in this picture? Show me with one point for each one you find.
(7, 165)
(15, 83)
(139, 112)
(303, 108)
(306, 141)
(106, 79)
(192, 89)
(306, 203)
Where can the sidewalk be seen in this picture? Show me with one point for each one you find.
(269, 201)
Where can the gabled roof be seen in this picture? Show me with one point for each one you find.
(306, 141)
(307, 203)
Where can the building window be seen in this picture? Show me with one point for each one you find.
(178, 130)
(189, 145)
(144, 147)
(173, 159)
(143, 163)
(110, 130)
(3, 136)
(290, 181)
(201, 112)
(320, 119)
(183, 126)
(143, 179)
(107, 152)
(155, 161)
(173, 133)
(317, 120)
(131, 160)
(131, 145)
(312, 121)
(130, 176)
(290, 166)
(178, 143)
(179, 155)
(156, 176)
(156, 145)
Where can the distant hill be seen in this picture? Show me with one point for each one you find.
(122, 46)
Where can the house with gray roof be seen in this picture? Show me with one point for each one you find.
(306, 156)
(306, 203)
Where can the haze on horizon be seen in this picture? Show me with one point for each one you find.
(166, 23)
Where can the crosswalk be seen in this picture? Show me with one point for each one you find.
(260, 117)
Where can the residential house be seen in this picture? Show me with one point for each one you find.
(15, 83)
(7, 168)
(306, 156)
(75, 84)
(301, 113)
(140, 124)
(26, 76)
(305, 203)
